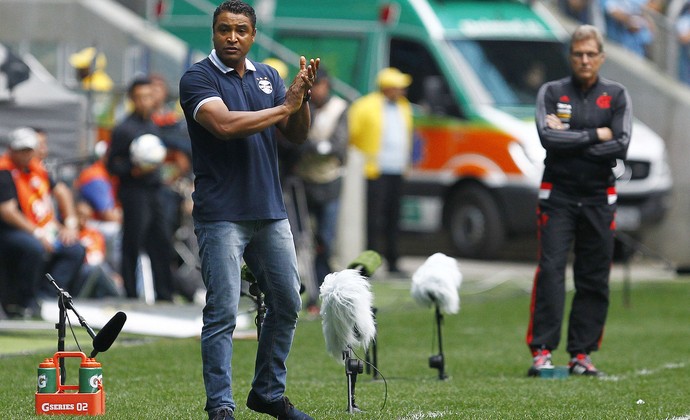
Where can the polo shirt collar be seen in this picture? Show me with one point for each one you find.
(225, 69)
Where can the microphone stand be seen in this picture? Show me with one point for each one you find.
(438, 361)
(260, 308)
(353, 366)
(365, 264)
(65, 303)
(372, 360)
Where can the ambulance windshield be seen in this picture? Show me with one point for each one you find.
(512, 71)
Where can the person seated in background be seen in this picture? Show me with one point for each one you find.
(576, 9)
(33, 241)
(95, 186)
(62, 192)
(628, 24)
(97, 279)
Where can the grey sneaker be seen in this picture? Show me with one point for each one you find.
(541, 360)
(582, 365)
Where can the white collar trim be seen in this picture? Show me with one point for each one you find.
(225, 69)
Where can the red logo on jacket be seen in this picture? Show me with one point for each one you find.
(604, 101)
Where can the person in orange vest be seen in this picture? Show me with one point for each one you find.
(33, 240)
(97, 278)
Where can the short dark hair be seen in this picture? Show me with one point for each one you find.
(236, 7)
(322, 75)
(142, 80)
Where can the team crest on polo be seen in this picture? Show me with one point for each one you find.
(265, 85)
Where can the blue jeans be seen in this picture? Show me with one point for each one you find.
(268, 250)
(28, 263)
(326, 215)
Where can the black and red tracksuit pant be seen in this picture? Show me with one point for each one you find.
(589, 230)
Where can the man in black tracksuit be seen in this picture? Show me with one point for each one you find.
(584, 123)
(143, 226)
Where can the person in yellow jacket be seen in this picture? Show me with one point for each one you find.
(89, 65)
(380, 126)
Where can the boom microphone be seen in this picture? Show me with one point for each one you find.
(107, 335)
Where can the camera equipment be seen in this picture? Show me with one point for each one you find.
(367, 263)
(436, 282)
(348, 317)
(256, 296)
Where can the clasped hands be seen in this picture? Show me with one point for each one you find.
(300, 88)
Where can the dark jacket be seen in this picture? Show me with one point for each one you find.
(577, 164)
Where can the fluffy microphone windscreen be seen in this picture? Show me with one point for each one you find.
(437, 282)
(347, 318)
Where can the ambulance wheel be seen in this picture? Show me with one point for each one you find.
(474, 223)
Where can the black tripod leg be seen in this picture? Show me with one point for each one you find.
(352, 368)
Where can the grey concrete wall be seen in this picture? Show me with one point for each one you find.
(664, 104)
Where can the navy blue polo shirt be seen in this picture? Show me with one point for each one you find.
(235, 180)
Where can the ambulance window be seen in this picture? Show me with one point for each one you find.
(341, 55)
(429, 87)
(512, 71)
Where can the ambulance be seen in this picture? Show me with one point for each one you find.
(476, 68)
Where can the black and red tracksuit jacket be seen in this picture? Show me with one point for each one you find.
(578, 166)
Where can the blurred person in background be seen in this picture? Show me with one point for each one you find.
(33, 240)
(628, 25)
(380, 126)
(97, 278)
(576, 9)
(584, 123)
(144, 227)
(176, 173)
(319, 164)
(95, 186)
(89, 65)
(682, 27)
(177, 169)
(62, 193)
